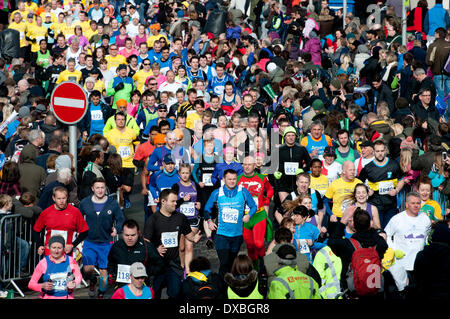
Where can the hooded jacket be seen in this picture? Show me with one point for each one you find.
(314, 47)
(32, 176)
(244, 285)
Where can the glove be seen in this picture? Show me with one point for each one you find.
(277, 175)
(119, 86)
(298, 171)
(399, 254)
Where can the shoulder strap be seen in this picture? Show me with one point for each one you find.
(285, 284)
(355, 243)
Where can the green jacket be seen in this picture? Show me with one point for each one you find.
(130, 122)
(125, 93)
(293, 284)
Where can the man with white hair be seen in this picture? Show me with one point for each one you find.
(63, 178)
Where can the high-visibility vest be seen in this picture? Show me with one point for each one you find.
(329, 267)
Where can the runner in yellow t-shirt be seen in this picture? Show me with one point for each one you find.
(142, 75)
(70, 74)
(36, 33)
(20, 25)
(341, 188)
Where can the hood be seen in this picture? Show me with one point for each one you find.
(243, 282)
(28, 154)
(381, 127)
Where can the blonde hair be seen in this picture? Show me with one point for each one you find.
(390, 57)
(398, 129)
(405, 159)
(5, 200)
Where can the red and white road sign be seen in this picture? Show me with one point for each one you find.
(69, 102)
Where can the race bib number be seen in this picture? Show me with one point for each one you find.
(385, 187)
(206, 178)
(123, 273)
(59, 281)
(290, 168)
(124, 151)
(62, 233)
(96, 115)
(169, 239)
(188, 209)
(230, 215)
(218, 89)
(303, 246)
(22, 35)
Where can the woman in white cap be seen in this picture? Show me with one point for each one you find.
(136, 289)
(60, 273)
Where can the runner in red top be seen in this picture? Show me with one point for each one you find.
(60, 219)
(259, 225)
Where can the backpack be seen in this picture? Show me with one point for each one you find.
(201, 289)
(364, 275)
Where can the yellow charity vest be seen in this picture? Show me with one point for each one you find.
(254, 295)
(329, 267)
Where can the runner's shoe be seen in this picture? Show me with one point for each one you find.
(92, 284)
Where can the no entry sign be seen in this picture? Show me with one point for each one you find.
(69, 102)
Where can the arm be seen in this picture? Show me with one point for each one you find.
(210, 203)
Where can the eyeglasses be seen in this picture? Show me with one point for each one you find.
(153, 83)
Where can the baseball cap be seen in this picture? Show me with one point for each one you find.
(161, 106)
(30, 15)
(168, 159)
(329, 151)
(40, 108)
(287, 252)
(137, 269)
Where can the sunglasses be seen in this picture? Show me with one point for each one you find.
(146, 63)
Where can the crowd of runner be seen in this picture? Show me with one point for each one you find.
(307, 148)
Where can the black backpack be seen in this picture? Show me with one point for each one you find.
(196, 290)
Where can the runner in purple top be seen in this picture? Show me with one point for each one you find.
(188, 205)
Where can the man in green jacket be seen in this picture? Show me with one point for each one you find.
(290, 283)
(121, 86)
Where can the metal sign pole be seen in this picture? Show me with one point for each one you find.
(73, 141)
(344, 12)
(404, 22)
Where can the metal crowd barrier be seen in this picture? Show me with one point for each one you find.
(18, 253)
